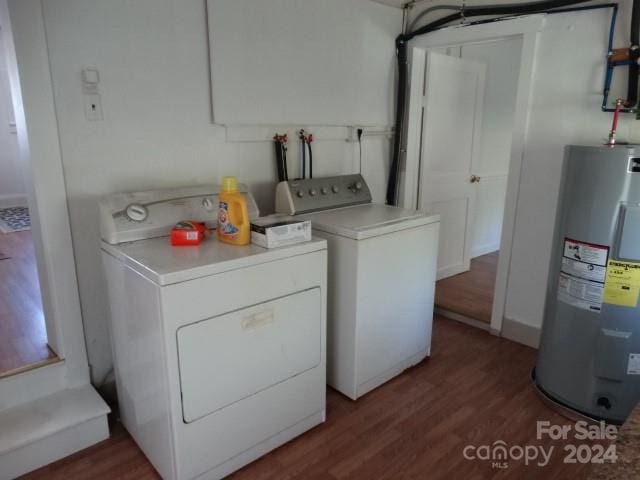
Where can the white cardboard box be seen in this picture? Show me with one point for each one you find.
(279, 230)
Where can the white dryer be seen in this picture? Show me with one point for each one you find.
(382, 272)
(219, 350)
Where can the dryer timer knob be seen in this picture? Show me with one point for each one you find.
(136, 212)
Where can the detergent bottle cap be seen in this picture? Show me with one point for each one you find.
(229, 184)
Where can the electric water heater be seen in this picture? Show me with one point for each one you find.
(589, 357)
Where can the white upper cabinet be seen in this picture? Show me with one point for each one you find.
(307, 62)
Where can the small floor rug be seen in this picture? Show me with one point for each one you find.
(14, 219)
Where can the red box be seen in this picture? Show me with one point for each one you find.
(188, 233)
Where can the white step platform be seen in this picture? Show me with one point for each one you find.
(37, 433)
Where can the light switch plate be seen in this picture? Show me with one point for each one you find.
(90, 75)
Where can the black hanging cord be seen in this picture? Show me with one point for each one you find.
(278, 146)
(284, 162)
(304, 155)
(280, 142)
(359, 132)
(308, 140)
(401, 53)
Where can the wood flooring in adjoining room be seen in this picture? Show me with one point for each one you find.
(470, 293)
(23, 336)
(474, 390)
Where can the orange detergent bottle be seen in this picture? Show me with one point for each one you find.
(233, 216)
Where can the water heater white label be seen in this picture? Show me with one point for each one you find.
(586, 252)
(582, 274)
(580, 293)
(587, 271)
(633, 367)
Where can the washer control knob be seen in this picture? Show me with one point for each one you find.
(324, 190)
(300, 194)
(355, 187)
(207, 204)
(313, 192)
(136, 212)
(335, 188)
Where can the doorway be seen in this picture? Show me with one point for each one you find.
(468, 102)
(23, 333)
(468, 295)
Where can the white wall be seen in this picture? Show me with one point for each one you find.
(12, 191)
(157, 131)
(565, 109)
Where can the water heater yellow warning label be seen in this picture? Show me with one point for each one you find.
(622, 284)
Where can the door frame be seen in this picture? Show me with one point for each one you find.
(41, 159)
(527, 27)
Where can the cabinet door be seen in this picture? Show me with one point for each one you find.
(232, 356)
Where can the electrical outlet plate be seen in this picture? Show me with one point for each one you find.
(93, 107)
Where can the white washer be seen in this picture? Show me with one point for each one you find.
(219, 350)
(382, 271)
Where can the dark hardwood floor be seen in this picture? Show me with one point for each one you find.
(23, 336)
(474, 390)
(470, 293)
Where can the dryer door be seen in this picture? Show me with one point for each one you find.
(238, 354)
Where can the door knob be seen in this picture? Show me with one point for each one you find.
(474, 179)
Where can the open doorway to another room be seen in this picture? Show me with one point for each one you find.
(23, 334)
(470, 294)
(469, 101)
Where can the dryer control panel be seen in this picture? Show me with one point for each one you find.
(126, 217)
(313, 194)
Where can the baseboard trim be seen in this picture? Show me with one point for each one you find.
(484, 250)
(450, 272)
(472, 322)
(19, 200)
(521, 332)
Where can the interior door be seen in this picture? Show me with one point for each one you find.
(451, 115)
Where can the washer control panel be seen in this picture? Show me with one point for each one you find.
(313, 194)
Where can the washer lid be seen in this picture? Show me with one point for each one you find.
(370, 220)
(164, 264)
